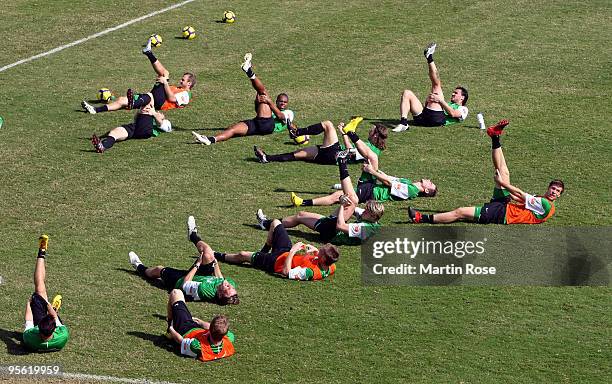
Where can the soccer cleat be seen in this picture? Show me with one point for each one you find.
(497, 129)
(191, 227)
(337, 187)
(260, 154)
(147, 47)
(57, 302)
(200, 138)
(352, 125)
(43, 242)
(296, 200)
(343, 155)
(261, 219)
(401, 128)
(293, 132)
(414, 215)
(429, 51)
(97, 143)
(134, 259)
(130, 99)
(247, 62)
(88, 107)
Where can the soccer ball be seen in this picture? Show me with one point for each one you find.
(229, 17)
(105, 95)
(156, 40)
(302, 140)
(189, 33)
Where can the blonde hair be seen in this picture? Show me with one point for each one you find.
(375, 208)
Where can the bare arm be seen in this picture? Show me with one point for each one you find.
(265, 98)
(516, 193)
(287, 267)
(343, 212)
(345, 138)
(28, 312)
(194, 269)
(169, 94)
(175, 335)
(201, 323)
(447, 108)
(380, 175)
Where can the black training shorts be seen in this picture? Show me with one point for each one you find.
(430, 118)
(327, 155)
(259, 126)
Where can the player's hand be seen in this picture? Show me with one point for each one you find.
(434, 98)
(367, 167)
(340, 126)
(162, 79)
(497, 177)
(148, 110)
(345, 201)
(310, 248)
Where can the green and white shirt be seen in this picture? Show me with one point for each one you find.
(202, 288)
(34, 341)
(452, 120)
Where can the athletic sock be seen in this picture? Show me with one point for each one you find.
(108, 142)
(307, 203)
(282, 157)
(140, 269)
(212, 139)
(151, 56)
(219, 256)
(427, 218)
(195, 238)
(41, 253)
(344, 173)
(266, 248)
(495, 143)
(404, 121)
(250, 74)
(353, 136)
(266, 223)
(143, 99)
(103, 108)
(314, 129)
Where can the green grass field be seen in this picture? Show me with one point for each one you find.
(543, 65)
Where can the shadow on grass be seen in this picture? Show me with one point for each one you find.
(284, 190)
(157, 283)
(12, 339)
(159, 341)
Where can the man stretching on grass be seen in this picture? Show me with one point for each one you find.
(163, 95)
(436, 111)
(509, 204)
(390, 188)
(279, 256)
(271, 117)
(203, 281)
(197, 338)
(334, 228)
(44, 330)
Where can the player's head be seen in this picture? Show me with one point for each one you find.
(188, 81)
(555, 189)
(459, 96)
(46, 326)
(373, 211)
(429, 188)
(378, 136)
(219, 326)
(329, 254)
(282, 100)
(226, 294)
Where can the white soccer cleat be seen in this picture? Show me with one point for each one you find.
(261, 218)
(88, 107)
(429, 51)
(337, 187)
(134, 259)
(200, 138)
(191, 227)
(147, 47)
(247, 62)
(401, 128)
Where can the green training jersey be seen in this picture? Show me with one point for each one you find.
(356, 234)
(452, 120)
(202, 287)
(32, 339)
(365, 177)
(400, 189)
(281, 125)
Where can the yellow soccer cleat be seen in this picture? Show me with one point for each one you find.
(43, 242)
(57, 302)
(296, 200)
(352, 125)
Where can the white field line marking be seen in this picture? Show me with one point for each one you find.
(95, 35)
(83, 376)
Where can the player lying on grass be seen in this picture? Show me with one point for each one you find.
(197, 338)
(203, 281)
(325, 154)
(271, 116)
(335, 228)
(44, 330)
(279, 256)
(509, 204)
(390, 188)
(436, 111)
(147, 123)
(163, 95)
